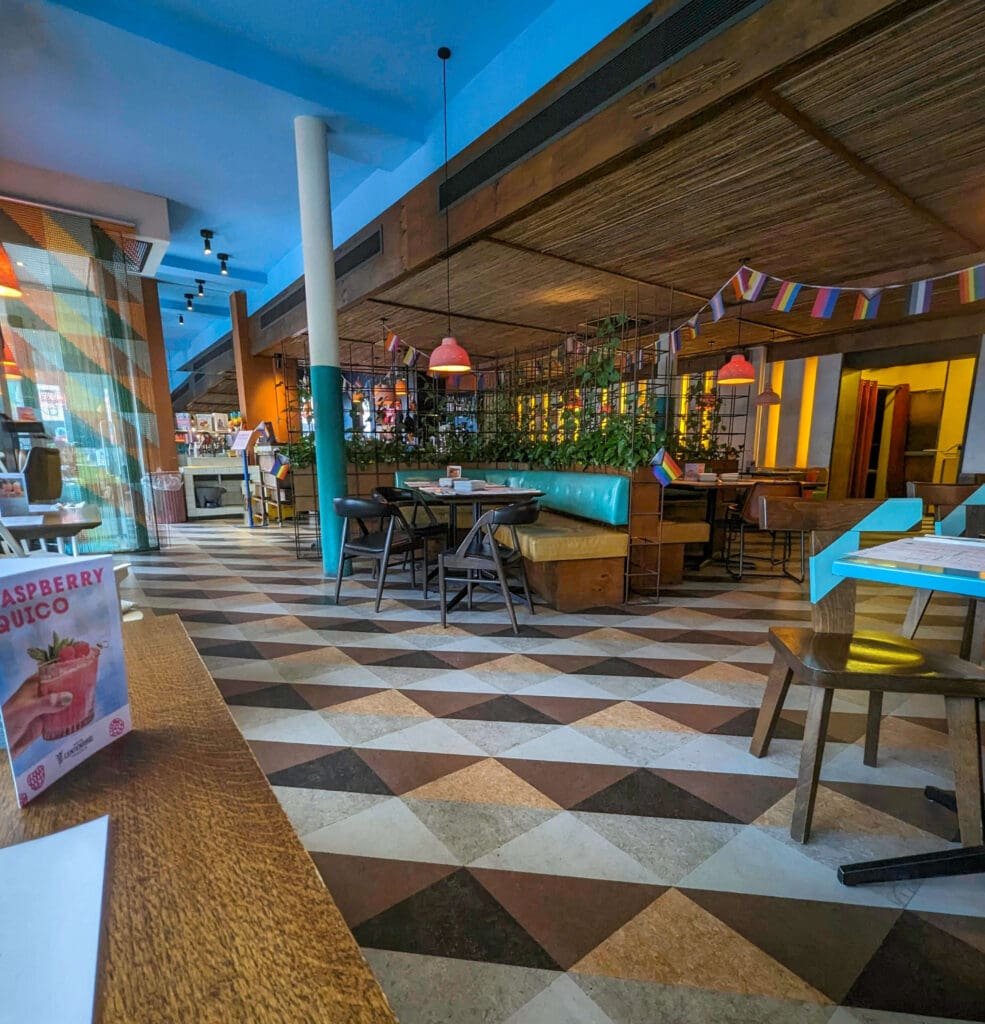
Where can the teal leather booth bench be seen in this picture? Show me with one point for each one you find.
(575, 554)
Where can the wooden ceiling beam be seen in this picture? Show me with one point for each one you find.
(836, 147)
(443, 313)
(582, 265)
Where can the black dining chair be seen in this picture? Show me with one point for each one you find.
(740, 519)
(359, 541)
(487, 563)
(422, 525)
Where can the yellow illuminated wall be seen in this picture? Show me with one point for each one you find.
(806, 410)
(773, 417)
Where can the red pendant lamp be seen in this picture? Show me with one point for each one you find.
(738, 370)
(449, 356)
(9, 286)
(10, 368)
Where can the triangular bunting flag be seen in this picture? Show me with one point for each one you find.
(824, 303)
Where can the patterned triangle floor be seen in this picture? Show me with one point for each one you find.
(567, 826)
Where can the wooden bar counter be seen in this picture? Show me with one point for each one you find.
(214, 911)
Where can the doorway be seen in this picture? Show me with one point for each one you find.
(903, 423)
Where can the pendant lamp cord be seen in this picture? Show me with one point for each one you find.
(444, 109)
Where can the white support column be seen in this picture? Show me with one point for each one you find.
(315, 201)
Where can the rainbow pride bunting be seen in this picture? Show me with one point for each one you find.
(921, 292)
(867, 304)
(665, 469)
(824, 303)
(740, 281)
(675, 341)
(786, 296)
(392, 342)
(754, 285)
(694, 325)
(971, 284)
(717, 307)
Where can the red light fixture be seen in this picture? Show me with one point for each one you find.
(449, 356)
(9, 286)
(738, 370)
(10, 368)
(767, 397)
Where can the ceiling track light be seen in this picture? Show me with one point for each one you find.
(188, 301)
(200, 281)
(181, 319)
(206, 241)
(223, 257)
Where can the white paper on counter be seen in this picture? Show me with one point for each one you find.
(51, 904)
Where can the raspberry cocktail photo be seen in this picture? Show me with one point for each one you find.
(67, 666)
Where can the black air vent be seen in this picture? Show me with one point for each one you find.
(279, 309)
(213, 352)
(358, 254)
(663, 43)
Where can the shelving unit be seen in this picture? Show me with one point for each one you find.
(214, 473)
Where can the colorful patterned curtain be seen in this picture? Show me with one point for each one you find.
(79, 341)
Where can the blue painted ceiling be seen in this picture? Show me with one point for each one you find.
(195, 101)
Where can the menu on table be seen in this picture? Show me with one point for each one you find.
(63, 685)
(51, 904)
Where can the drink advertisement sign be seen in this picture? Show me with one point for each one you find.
(63, 686)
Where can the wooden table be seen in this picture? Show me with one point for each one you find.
(60, 524)
(877, 565)
(214, 910)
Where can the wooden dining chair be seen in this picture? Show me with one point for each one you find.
(833, 655)
(380, 545)
(481, 561)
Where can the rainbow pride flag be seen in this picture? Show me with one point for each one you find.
(281, 468)
(392, 342)
(971, 283)
(694, 324)
(665, 469)
(717, 304)
(867, 304)
(786, 296)
(824, 303)
(921, 292)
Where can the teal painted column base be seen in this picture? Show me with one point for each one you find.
(326, 398)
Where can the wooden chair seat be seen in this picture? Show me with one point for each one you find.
(874, 662)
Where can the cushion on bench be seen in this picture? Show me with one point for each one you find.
(555, 538)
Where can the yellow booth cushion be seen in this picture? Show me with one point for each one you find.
(555, 538)
(672, 532)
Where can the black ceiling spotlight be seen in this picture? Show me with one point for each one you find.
(188, 301)
(206, 241)
(223, 269)
(200, 281)
(181, 319)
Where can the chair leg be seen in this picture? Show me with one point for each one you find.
(427, 569)
(442, 592)
(508, 598)
(964, 732)
(341, 566)
(811, 756)
(872, 722)
(777, 685)
(413, 567)
(918, 605)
